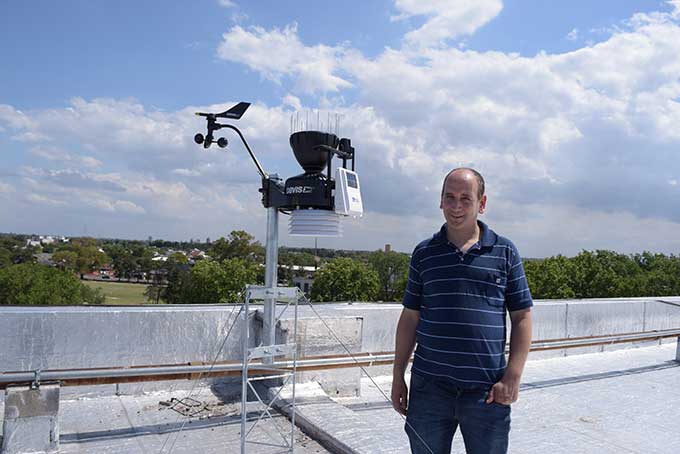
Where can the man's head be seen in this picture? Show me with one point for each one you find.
(462, 198)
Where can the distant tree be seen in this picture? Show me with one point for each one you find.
(597, 274)
(122, 260)
(65, 260)
(170, 281)
(35, 284)
(551, 278)
(5, 257)
(238, 245)
(15, 245)
(179, 258)
(207, 282)
(24, 254)
(125, 266)
(291, 264)
(661, 274)
(11, 242)
(153, 292)
(392, 270)
(48, 248)
(285, 270)
(296, 257)
(345, 279)
(145, 262)
(219, 282)
(89, 257)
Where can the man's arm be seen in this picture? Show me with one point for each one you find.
(404, 345)
(506, 391)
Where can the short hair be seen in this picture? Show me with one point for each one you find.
(477, 175)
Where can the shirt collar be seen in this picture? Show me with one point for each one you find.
(488, 236)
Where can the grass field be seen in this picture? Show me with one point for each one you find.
(120, 293)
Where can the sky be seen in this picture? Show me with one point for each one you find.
(570, 110)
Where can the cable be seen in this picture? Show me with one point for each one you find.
(193, 386)
(330, 330)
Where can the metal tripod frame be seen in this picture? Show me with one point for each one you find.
(265, 369)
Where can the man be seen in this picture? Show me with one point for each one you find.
(461, 282)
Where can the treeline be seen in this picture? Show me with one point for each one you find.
(380, 277)
(604, 274)
(226, 265)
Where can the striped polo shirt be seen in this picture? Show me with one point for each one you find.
(462, 299)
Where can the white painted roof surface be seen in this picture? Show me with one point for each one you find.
(139, 425)
(624, 401)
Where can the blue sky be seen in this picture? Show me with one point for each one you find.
(79, 48)
(570, 109)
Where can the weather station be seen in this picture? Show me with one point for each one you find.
(316, 201)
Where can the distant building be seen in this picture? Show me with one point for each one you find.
(196, 253)
(304, 283)
(306, 280)
(44, 240)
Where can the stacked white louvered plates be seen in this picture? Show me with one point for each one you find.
(314, 223)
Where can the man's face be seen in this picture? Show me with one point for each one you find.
(460, 202)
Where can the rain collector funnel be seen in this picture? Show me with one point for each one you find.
(311, 149)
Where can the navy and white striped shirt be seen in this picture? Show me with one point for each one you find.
(462, 299)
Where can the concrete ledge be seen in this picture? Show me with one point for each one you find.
(88, 336)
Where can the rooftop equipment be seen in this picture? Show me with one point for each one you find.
(315, 202)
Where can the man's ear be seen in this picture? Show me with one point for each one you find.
(482, 205)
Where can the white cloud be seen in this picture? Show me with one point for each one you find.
(6, 188)
(446, 19)
(292, 101)
(30, 136)
(561, 138)
(555, 132)
(59, 155)
(279, 52)
(573, 34)
(227, 3)
(120, 206)
(187, 172)
(42, 200)
(675, 13)
(13, 118)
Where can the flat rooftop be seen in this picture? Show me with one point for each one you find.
(623, 401)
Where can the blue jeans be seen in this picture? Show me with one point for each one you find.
(435, 410)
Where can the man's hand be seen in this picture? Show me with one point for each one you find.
(504, 392)
(405, 343)
(399, 395)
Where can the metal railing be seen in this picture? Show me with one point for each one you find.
(110, 375)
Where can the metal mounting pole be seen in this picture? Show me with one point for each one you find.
(271, 276)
